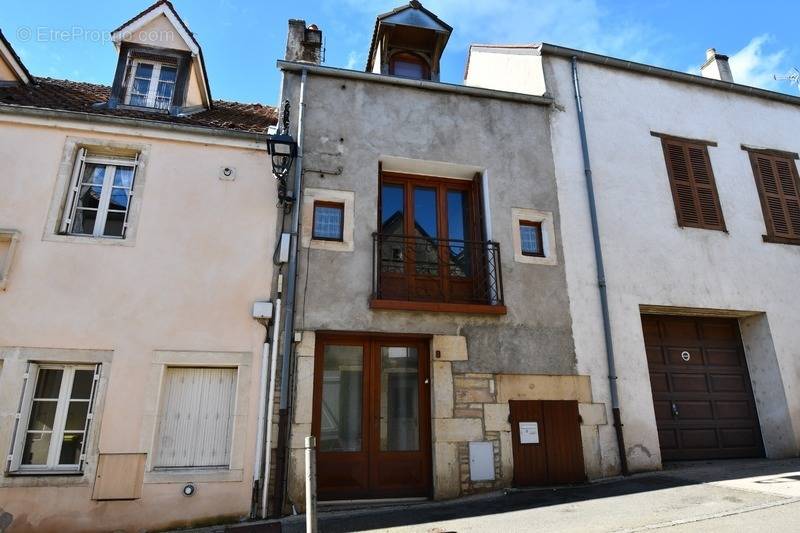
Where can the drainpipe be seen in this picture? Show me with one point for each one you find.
(288, 324)
(273, 367)
(601, 273)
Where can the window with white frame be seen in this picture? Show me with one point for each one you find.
(53, 421)
(196, 418)
(99, 198)
(151, 84)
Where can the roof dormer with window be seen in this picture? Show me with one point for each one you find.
(160, 66)
(408, 42)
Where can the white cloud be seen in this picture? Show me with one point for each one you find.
(355, 61)
(754, 66)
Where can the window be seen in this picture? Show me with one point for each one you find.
(779, 189)
(196, 418)
(328, 221)
(530, 235)
(54, 419)
(8, 245)
(99, 197)
(407, 65)
(152, 84)
(694, 191)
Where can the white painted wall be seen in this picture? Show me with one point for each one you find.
(505, 68)
(649, 260)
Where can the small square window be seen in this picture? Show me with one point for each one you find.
(531, 238)
(328, 221)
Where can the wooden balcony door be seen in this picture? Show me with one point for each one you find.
(430, 231)
(372, 417)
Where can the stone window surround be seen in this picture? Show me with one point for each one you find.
(11, 236)
(545, 218)
(310, 195)
(14, 364)
(62, 184)
(242, 361)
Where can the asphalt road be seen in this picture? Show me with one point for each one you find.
(723, 496)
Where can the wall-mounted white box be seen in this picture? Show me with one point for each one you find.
(481, 461)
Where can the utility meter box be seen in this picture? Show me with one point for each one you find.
(262, 310)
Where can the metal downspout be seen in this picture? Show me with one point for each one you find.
(601, 274)
(288, 323)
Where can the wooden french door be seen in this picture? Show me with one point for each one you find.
(430, 238)
(371, 417)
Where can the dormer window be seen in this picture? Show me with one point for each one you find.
(152, 84)
(408, 65)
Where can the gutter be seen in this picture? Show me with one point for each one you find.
(479, 92)
(660, 72)
(126, 122)
(601, 273)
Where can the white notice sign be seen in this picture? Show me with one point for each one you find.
(529, 433)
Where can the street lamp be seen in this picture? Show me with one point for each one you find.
(282, 147)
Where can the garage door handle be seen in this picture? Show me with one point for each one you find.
(675, 411)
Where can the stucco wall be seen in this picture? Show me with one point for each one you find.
(353, 124)
(649, 260)
(203, 254)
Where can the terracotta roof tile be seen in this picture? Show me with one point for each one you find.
(65, 95)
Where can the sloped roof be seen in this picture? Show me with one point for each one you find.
(14, 57)
(65, 95)
(413, 4)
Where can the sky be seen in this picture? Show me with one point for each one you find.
(242, 39)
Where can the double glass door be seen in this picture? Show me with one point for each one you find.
(371, 417)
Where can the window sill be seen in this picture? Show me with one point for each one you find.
(780, 240)
(88, 239)
(43, 473)
(438, 307)
(193, 475)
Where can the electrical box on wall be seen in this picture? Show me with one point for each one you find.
(481, 461)
(283, 249)
(262, 309)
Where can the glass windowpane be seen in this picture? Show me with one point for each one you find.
(115, 224)
(71, 449)
(392, 227)
(399, 415)
(48, 383)
(82, 385)
(123, 177)
(43, 415)
(37, 446)
(76, 416)
(93, 174)
(426, 245)
(457, 224)
(83, 221)
(340, 424)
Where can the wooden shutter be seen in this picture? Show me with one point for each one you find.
(779, 189)
(693, 188)
(196, 417)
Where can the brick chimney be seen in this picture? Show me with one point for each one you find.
(304, 43)
(716, 66)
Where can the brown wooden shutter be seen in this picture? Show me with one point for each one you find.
(693, 188)
(779, 189)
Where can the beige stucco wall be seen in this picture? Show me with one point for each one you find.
(202, 255)
(6, 74)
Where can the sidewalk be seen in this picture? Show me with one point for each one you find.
(716, 496)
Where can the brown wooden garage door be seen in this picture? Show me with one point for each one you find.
(701, 389)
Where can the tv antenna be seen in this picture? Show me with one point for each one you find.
(793, 77)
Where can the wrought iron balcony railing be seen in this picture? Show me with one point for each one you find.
(414, 268)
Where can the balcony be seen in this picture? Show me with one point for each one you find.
(421, 273)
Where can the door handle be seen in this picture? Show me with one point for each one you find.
(675, 411)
